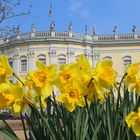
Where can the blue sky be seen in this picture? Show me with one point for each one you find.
(103, 14)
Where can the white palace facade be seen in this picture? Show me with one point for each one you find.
(51, 47)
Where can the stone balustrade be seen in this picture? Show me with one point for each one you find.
(72, 35)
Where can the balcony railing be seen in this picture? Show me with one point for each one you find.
(108, 37)
(71, 35)
(42, 34)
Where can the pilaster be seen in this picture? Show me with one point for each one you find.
(16, 63)
(96, 56)
(31, 61)
(135, 36)
(32, 34)
(95, 37)
(53, 33)
(116, 36)
(70, 34)
(18, 36)
(52, 55)
(70, 55)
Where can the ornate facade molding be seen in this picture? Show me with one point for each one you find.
(52, 53)
(70, 53)
(31, 54)
(16, 56)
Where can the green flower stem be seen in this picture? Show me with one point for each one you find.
(40, 102)
(119, 94)
(87, 109)
(24, 128)
(137, 104)
(59, 116)
(16, 76)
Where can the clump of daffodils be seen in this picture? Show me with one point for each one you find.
(79, 84)
(33, 89)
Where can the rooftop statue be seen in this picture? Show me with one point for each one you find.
(115, 30)
(52, 26)
(134, 29)
(18, 29)
(86, 29)
(94, 30)
(70, 27)
(33, 27)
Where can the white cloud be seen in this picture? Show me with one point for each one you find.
(77, 7)
(85, 13)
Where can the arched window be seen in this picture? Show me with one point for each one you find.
(61, 60)
(23, 61)
(126, 61)
(107, 58)
(11, 62)
(42, 58)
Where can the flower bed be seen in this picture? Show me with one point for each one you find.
(91, 104)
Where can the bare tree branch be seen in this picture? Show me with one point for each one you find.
(8, 11)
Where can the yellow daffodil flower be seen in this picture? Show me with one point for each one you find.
(22, 105)
(83, 63)
(72, 97)
(43, 78)
(104, 74)
(9, 94)
(6, 100)
(5, 69)
(133, 70)
(66, 74)
(92, 89)
(132, 79)
(133, 121)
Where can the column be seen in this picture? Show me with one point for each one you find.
(31, 61)
(16, 63)
(95, 37)
(53, 60)
(70, 56)
(135, 36)
(96, 56)
(115, 36)
(88, 53)
(52, 54)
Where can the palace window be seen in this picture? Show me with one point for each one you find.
(126, 61)
(61, 60)
(23, 64)
(107, 58)
(42, 58)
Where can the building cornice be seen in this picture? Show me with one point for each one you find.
(72, 38)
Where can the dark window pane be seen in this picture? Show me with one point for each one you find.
(43, 60)
(23, 65)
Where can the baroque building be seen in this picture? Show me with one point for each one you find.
(24, 49)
